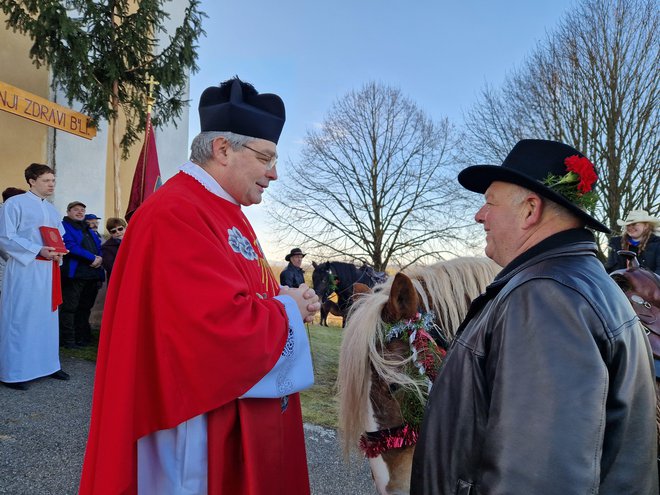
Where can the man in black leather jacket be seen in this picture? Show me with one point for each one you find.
(293, 276)
(548, 387)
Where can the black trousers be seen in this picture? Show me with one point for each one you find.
(78, 297)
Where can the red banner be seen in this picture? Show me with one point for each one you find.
(147, 172)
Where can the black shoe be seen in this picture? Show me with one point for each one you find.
(60, 375)
(16, 385)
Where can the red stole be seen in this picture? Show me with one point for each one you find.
(56, 285)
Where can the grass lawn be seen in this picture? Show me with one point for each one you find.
(318, 403)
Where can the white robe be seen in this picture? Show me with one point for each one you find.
(29, 333)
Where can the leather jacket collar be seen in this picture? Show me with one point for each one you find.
(562, 243)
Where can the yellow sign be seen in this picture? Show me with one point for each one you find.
(33, 107)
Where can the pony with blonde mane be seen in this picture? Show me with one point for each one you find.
(375, 362)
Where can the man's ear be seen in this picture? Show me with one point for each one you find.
(220, 146)
(532, 210)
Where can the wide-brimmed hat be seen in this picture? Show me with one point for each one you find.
(237, 107)
(294, 252)
(638, 216)
(543, 167)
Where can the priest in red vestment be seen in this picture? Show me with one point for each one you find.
(195, 323)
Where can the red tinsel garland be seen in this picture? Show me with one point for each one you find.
(374, 443)
(422, 343)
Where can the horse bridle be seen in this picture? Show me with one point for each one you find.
(332, 278)
(374, 443)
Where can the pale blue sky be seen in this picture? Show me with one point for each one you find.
(439, 53)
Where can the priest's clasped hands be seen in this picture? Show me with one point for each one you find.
(306, 299)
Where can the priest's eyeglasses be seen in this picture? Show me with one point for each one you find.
(271, 160)
(116, 229)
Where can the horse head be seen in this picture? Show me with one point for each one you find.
(403, 361)
(324, 280)
(389, 358)
(401, 378)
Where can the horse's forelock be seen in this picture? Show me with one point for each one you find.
(362, 330)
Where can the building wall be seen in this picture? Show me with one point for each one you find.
(22, 141)
(172, 142)
(84, 168)
(80, 168)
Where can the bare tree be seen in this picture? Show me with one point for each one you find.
(593, 83)
(373, 183)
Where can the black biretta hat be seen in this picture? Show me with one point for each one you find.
(528, 164)
(237, 107)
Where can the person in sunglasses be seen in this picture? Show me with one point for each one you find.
(116, 228)
(189, 395)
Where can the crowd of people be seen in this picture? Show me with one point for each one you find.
(548, 387)
(47, 292)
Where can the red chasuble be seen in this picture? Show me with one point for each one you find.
(189, 326)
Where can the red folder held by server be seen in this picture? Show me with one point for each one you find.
(52, 238)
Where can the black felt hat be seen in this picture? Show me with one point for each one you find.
(529, 164)
(237, 107)
(294, 252)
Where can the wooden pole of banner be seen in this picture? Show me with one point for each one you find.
(151, 82)
(116, 161)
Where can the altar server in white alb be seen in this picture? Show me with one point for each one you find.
(31, 292)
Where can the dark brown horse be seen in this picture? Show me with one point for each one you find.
(329, 307)
(338, 277)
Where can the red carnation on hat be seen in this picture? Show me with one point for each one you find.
(577, 184)
(584, 169)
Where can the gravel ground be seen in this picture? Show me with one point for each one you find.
(43, 433)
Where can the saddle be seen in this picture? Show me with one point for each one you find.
(642, 287)
(373, 276)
